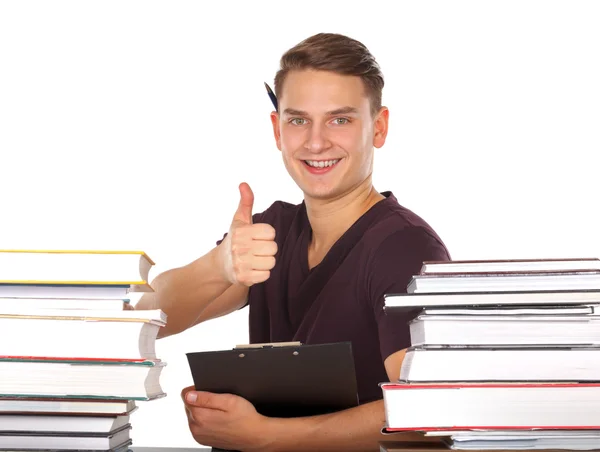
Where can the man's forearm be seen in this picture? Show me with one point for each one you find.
(184, 292)
(355, 429)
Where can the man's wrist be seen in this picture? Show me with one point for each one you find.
(217, 265)
(283, 434)
(270, 433)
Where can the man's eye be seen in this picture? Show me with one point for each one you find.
(341, 121)
(297, 121)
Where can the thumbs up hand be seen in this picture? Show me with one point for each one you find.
(248, 250)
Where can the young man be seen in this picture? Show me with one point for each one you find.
(314, 272)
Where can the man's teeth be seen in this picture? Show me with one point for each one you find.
(321, 164)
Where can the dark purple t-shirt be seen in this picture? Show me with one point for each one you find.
(341, 299)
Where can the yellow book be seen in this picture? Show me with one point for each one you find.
(76, 267)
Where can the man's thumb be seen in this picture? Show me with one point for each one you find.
(244, 210)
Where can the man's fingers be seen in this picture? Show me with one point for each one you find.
(250, 263)
(207, 400)
(258, 231)
(185, 390)
(253, 277)
(258, 276)
(262, 231)
(263, 263)
(189, 414)
(264, 248)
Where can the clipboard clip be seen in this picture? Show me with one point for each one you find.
(268, 345)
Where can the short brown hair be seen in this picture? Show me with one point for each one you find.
(336, 53)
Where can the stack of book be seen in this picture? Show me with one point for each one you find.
(504, 355)
(73, 360)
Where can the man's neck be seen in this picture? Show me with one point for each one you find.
(330, 219)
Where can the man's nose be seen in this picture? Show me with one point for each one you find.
(317, 139)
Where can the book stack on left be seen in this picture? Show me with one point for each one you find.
(74, 361)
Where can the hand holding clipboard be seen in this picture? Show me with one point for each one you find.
(281, 379)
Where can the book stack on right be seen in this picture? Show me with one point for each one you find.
(505, 355)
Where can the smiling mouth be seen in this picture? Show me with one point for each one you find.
(318, 164)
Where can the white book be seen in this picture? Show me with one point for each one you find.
(136, 381)
(487, 330)
(408, 301)
(536, 440)
(62, 303)
(504, 282)
(80, 334)
(62, 424)
(426, 364)
(147, 315)
(66, 405)
(467, 406)
(11, 290)
(510, 265)
(514, 310)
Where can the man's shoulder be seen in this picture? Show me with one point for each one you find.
(394, 248)
(397, 224)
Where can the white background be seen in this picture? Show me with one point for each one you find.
(129, 125)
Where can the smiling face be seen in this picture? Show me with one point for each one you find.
(326, 132)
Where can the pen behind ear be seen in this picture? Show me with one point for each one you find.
(272, 96)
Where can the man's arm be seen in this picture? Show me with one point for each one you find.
(193, 293)
(217, 283)
(354, 429)
(232, 423)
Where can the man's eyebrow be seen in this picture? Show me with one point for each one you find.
(342, 111)
(338, 111)
(291, 111)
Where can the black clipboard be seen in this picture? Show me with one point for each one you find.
(281, 379)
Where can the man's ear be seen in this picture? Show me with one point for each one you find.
(276, 129)
(380, 127)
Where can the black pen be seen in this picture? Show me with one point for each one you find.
(272, 96)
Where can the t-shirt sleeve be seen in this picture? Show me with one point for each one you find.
(398, 258)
